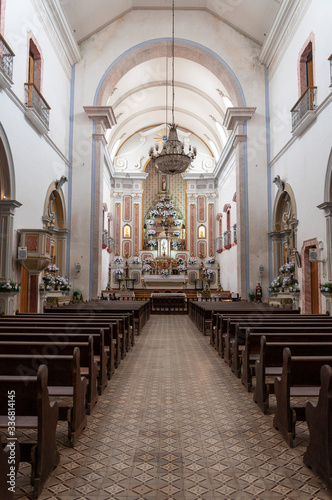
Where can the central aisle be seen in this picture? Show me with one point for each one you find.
(175, 423)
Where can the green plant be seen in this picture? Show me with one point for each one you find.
(252, 296)
(76, 295)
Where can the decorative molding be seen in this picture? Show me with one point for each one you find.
(237, 116)
(238, 139)
(277, 31)
(102, 115)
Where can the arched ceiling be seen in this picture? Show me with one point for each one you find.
(143, 93)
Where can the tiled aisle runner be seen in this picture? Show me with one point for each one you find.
(175, 423)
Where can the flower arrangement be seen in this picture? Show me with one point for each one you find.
(154, 213)
(9, 286)
(146, 268)
(275, 284)
(164, 272)
(151, 222)
(164, 214)
(180, 260)
(169, 206)
(135, 260)
(45, 287)
(52, 268)
(159, 206)
(151, 232)
(326, 287)
(61, 283)
(177, 222)
(181, 268)
(118, 260)
(208, 272)
(287, 281)
(147, 260)
(173, 213)
(176, 244)
(192, 261)
(120, 271)
(210, 260)
(152, 243)
(176, 233)
(294, 288)
(289, 267)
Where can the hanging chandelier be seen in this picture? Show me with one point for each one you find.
(172, 158)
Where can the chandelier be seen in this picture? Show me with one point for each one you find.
(172, 158)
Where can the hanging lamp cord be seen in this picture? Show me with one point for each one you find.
(173, 94)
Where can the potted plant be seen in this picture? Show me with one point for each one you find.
(146, 268)
(182, 268)
(152, 243)
(210, 260)
(192, 261)
(135, 260)
(252, 296)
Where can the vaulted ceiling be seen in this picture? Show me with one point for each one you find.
(140, 98)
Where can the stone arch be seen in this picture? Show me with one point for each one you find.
(284, 227)
(54, 219)
(185, 49)
(7, 176)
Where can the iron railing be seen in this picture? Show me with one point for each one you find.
(34, 100)
(227, 239)
(219, 244)
(304, 104)
(104, 238)
(6, 58)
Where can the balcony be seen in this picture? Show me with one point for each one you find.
(104, 238)
(6, 64)
(303, 113)
(219, 244)
(37, 109)
(227, 240)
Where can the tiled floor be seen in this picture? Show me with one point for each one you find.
(175, 423)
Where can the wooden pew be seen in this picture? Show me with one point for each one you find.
(33, 410)
(64, 379)
(9, 460)
(235, 331)
(300, 378)
(318, 455)
(269, 364)
(251, 351)
(58, 334)
(27, 344)
(78, 324)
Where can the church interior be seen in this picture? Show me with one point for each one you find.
(164, 164)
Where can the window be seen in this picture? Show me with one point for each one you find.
(126, 231)
(202, 232)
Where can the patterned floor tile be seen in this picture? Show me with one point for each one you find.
(175, 424)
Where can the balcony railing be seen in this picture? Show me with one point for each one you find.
(235, 233)
(304, 104)
(104, 238)
(6, 58)
(34, 100)
(227, 239)
(219, 244)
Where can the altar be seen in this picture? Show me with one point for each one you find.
(171, 303)
(171, 281)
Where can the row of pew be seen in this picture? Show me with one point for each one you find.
(67, 355)
(285, 353)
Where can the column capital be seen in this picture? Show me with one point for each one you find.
(102, 115)
(327, 207)
(238, 139)
(237, 116)
(8, 206)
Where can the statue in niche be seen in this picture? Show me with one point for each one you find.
(163, 248)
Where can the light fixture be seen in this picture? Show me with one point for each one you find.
(172, 158)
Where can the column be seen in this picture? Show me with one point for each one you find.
(235, 119)
(104, 119)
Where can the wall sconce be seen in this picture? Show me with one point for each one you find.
(78, 267)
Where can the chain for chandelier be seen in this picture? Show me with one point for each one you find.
(172, 159)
